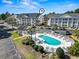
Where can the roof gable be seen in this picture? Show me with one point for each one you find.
(65, 16)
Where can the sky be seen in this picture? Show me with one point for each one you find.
(31, 6)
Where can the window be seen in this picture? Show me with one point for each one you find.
(65, 20)
(60, 20)
(28, 20)
(74, 20)
(52, 20)
(78, 24)
(70, 20)
(56, 20)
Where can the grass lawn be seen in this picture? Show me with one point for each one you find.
(74, 57)
(53, 57)
(74, 38)
(23, 50)
(17, 39)
(15, 35)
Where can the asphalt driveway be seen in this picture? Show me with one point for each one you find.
(7, 48)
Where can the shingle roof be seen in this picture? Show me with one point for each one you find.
(28, 15)
(72, 15)
(22, 27)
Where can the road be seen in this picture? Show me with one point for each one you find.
(7, 48)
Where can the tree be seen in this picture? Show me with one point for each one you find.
(53, 13)
(60, 52)
(54, 26)
(69, 12)
(11, 20)
(45, 20)
(77, 10)
(74, 49)
(31, 30)
(37, 22)
(74, 11)
(75, 33)
(12, 14)
(0, 17)
(5, 15)
(50, 14)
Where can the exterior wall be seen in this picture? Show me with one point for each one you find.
(34, 21)
(49, 22)
(66, 22)
(41, 18)
(27, 21)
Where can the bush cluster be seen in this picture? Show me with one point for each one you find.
(60, 52)
(74, 49)
(32, 43)
(28, 42)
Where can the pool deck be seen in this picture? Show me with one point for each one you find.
(64, 43)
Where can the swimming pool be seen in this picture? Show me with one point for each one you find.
(50, 40)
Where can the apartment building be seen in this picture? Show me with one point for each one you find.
(64, 20)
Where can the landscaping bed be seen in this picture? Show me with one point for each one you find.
(27, 51)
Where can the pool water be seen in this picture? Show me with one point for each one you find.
(50, 40)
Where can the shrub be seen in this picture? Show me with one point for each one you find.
(33, 45)
(74, 49)
(28, 42)
(29, 38)
(31, 42)
(15, 35)
(40, 48)
(24, 42)
(60, 52)
(36, 47)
